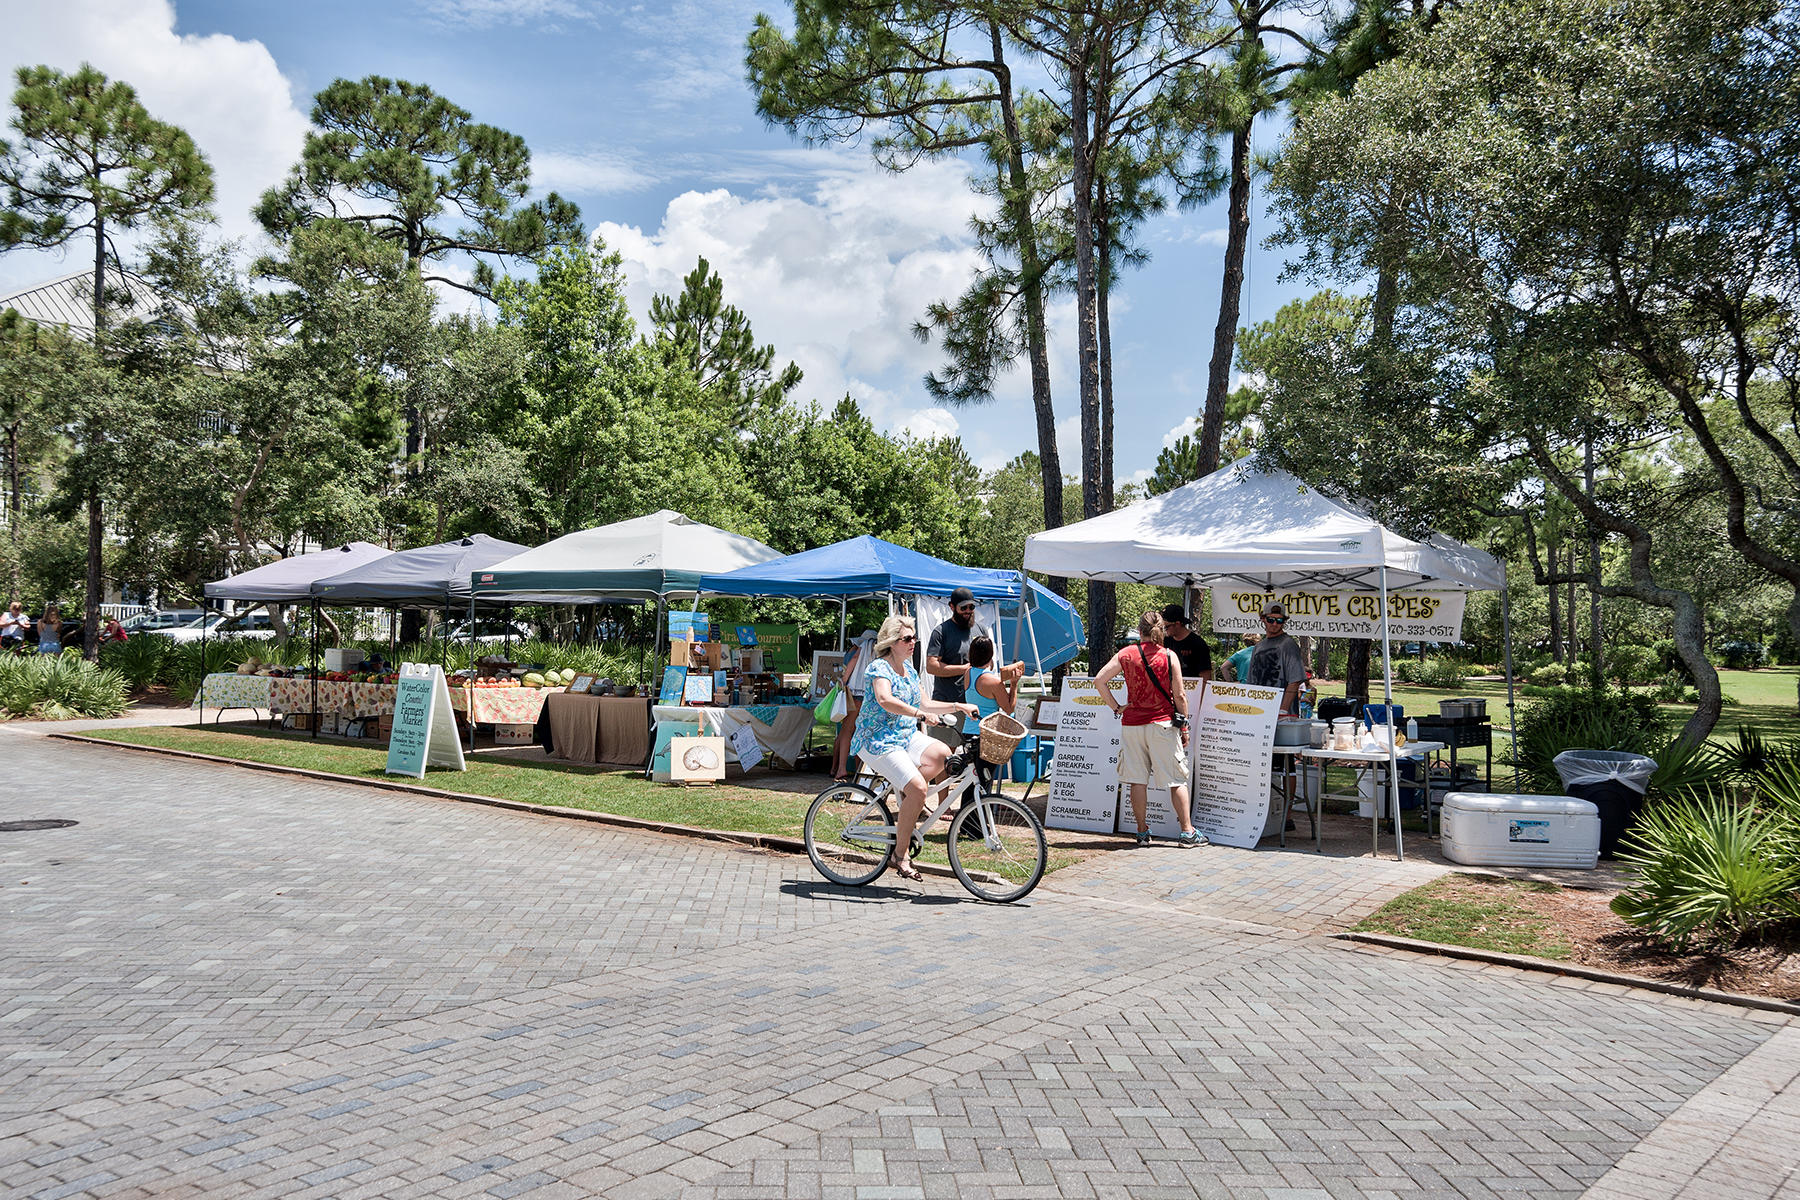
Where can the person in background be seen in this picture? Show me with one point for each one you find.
(14, 625)
(1278, 661)
(50, 631)
(112, 631)
(888, 737)
(1154, 727)
(1237, 667)
(947, 658)
(1188, 646)
(856, 684)
(991, 689)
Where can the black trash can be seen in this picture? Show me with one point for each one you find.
(1613, 781)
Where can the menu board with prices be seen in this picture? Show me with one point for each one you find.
(1084, 779)
(1232, 750)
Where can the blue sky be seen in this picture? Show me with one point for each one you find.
(640, 113)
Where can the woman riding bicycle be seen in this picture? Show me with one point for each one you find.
(888, 737)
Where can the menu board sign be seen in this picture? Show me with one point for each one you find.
(1232, 749)
(1084, 779)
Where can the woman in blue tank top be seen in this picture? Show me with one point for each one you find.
(990, 690)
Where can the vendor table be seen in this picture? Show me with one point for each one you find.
(228, 689)
(1369, 760)
(501, 705)
(780, 729)
(1290, 781)
(599, 729)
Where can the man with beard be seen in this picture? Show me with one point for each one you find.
(947, 658)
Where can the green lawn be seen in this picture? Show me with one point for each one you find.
(623, 793)
(1479, 911)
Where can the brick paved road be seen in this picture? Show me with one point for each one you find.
(226, 983)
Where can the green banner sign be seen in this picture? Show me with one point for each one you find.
(780, 645)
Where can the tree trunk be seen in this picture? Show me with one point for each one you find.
(1218, 375)
(1100, 600)
(90, 642)
(1031, 283)
(1556, 644)
(1356, 672)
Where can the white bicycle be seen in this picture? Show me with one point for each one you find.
(996, 845)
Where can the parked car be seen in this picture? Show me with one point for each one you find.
(1740, 655)
(489, 631)
(218, 625)
(161, 618)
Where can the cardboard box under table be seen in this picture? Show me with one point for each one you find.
(780, 730)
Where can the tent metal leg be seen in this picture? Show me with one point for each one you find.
(1387, 683)
(315, 670)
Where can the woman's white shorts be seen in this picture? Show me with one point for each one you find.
(1153, 755)
(901, 767)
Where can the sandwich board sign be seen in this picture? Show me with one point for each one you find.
(424, 727)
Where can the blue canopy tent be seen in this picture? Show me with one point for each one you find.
(868, 566)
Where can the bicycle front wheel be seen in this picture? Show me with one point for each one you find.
(849, 832)
(997, 848)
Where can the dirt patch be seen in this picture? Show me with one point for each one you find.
(157, 695)
(1598, 938)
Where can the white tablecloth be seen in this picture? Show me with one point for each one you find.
(780, 729)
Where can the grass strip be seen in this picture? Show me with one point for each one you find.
(1483, 912)
(622, 793)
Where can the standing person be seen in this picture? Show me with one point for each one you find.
(1154, 721)
(14, 625)
(50, 630)
(1278, 661)
(1237, 667)
(1189, 647)
(862, 653)
(947, 658)
(888, 737)
(112, 631)
(991, 689)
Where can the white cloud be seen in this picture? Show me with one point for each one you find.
(929, 423)
(483, 14)
(228, 94)
(587, 172)
(1136, 479)
(1186, 427)
(832, 270)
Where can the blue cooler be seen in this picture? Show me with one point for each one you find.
(1376, 714)
(1025, 767)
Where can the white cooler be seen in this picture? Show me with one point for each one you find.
(1480, 829)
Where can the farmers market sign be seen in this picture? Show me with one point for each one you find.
(1412, 616)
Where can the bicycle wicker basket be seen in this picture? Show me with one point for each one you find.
(1000, 736)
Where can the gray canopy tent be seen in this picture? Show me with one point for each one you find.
(289, 581)
(1268, 530)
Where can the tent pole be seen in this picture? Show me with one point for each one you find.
(473, 671)
(315, 670)
(1511, 714)
(1037, 657)
(843, 619)
(1387, 686)
(201, 696)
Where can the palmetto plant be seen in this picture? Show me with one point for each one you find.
(140, 659)
(1711, 870)
(59, 686)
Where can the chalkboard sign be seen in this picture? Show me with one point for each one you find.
(424, 727)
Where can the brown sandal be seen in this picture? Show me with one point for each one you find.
(905, 870)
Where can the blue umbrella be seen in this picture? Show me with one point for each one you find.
(1050, 622)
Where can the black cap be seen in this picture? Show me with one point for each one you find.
(1174, 612)
(961, 596)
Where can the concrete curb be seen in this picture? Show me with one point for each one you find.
(757, 841)
(1574, 970)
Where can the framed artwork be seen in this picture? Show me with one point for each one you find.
(699, 688)
(674, 681)
(696, 759)
(582, 683)
(827, 672)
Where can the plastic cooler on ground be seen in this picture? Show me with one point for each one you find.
(1614, 782)
(1482, 829)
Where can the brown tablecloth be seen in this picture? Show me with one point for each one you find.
(604, 729)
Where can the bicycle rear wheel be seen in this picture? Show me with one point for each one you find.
(849, 832)
(997, 848)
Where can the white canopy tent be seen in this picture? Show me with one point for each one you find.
(1267, 529)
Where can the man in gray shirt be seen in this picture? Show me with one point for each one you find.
(1278, 661)
(947, 658)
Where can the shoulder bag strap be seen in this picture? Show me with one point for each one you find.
(1154, 681)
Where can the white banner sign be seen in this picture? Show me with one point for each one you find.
(1084, 779)
(1232, 750)
(1412, 616)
